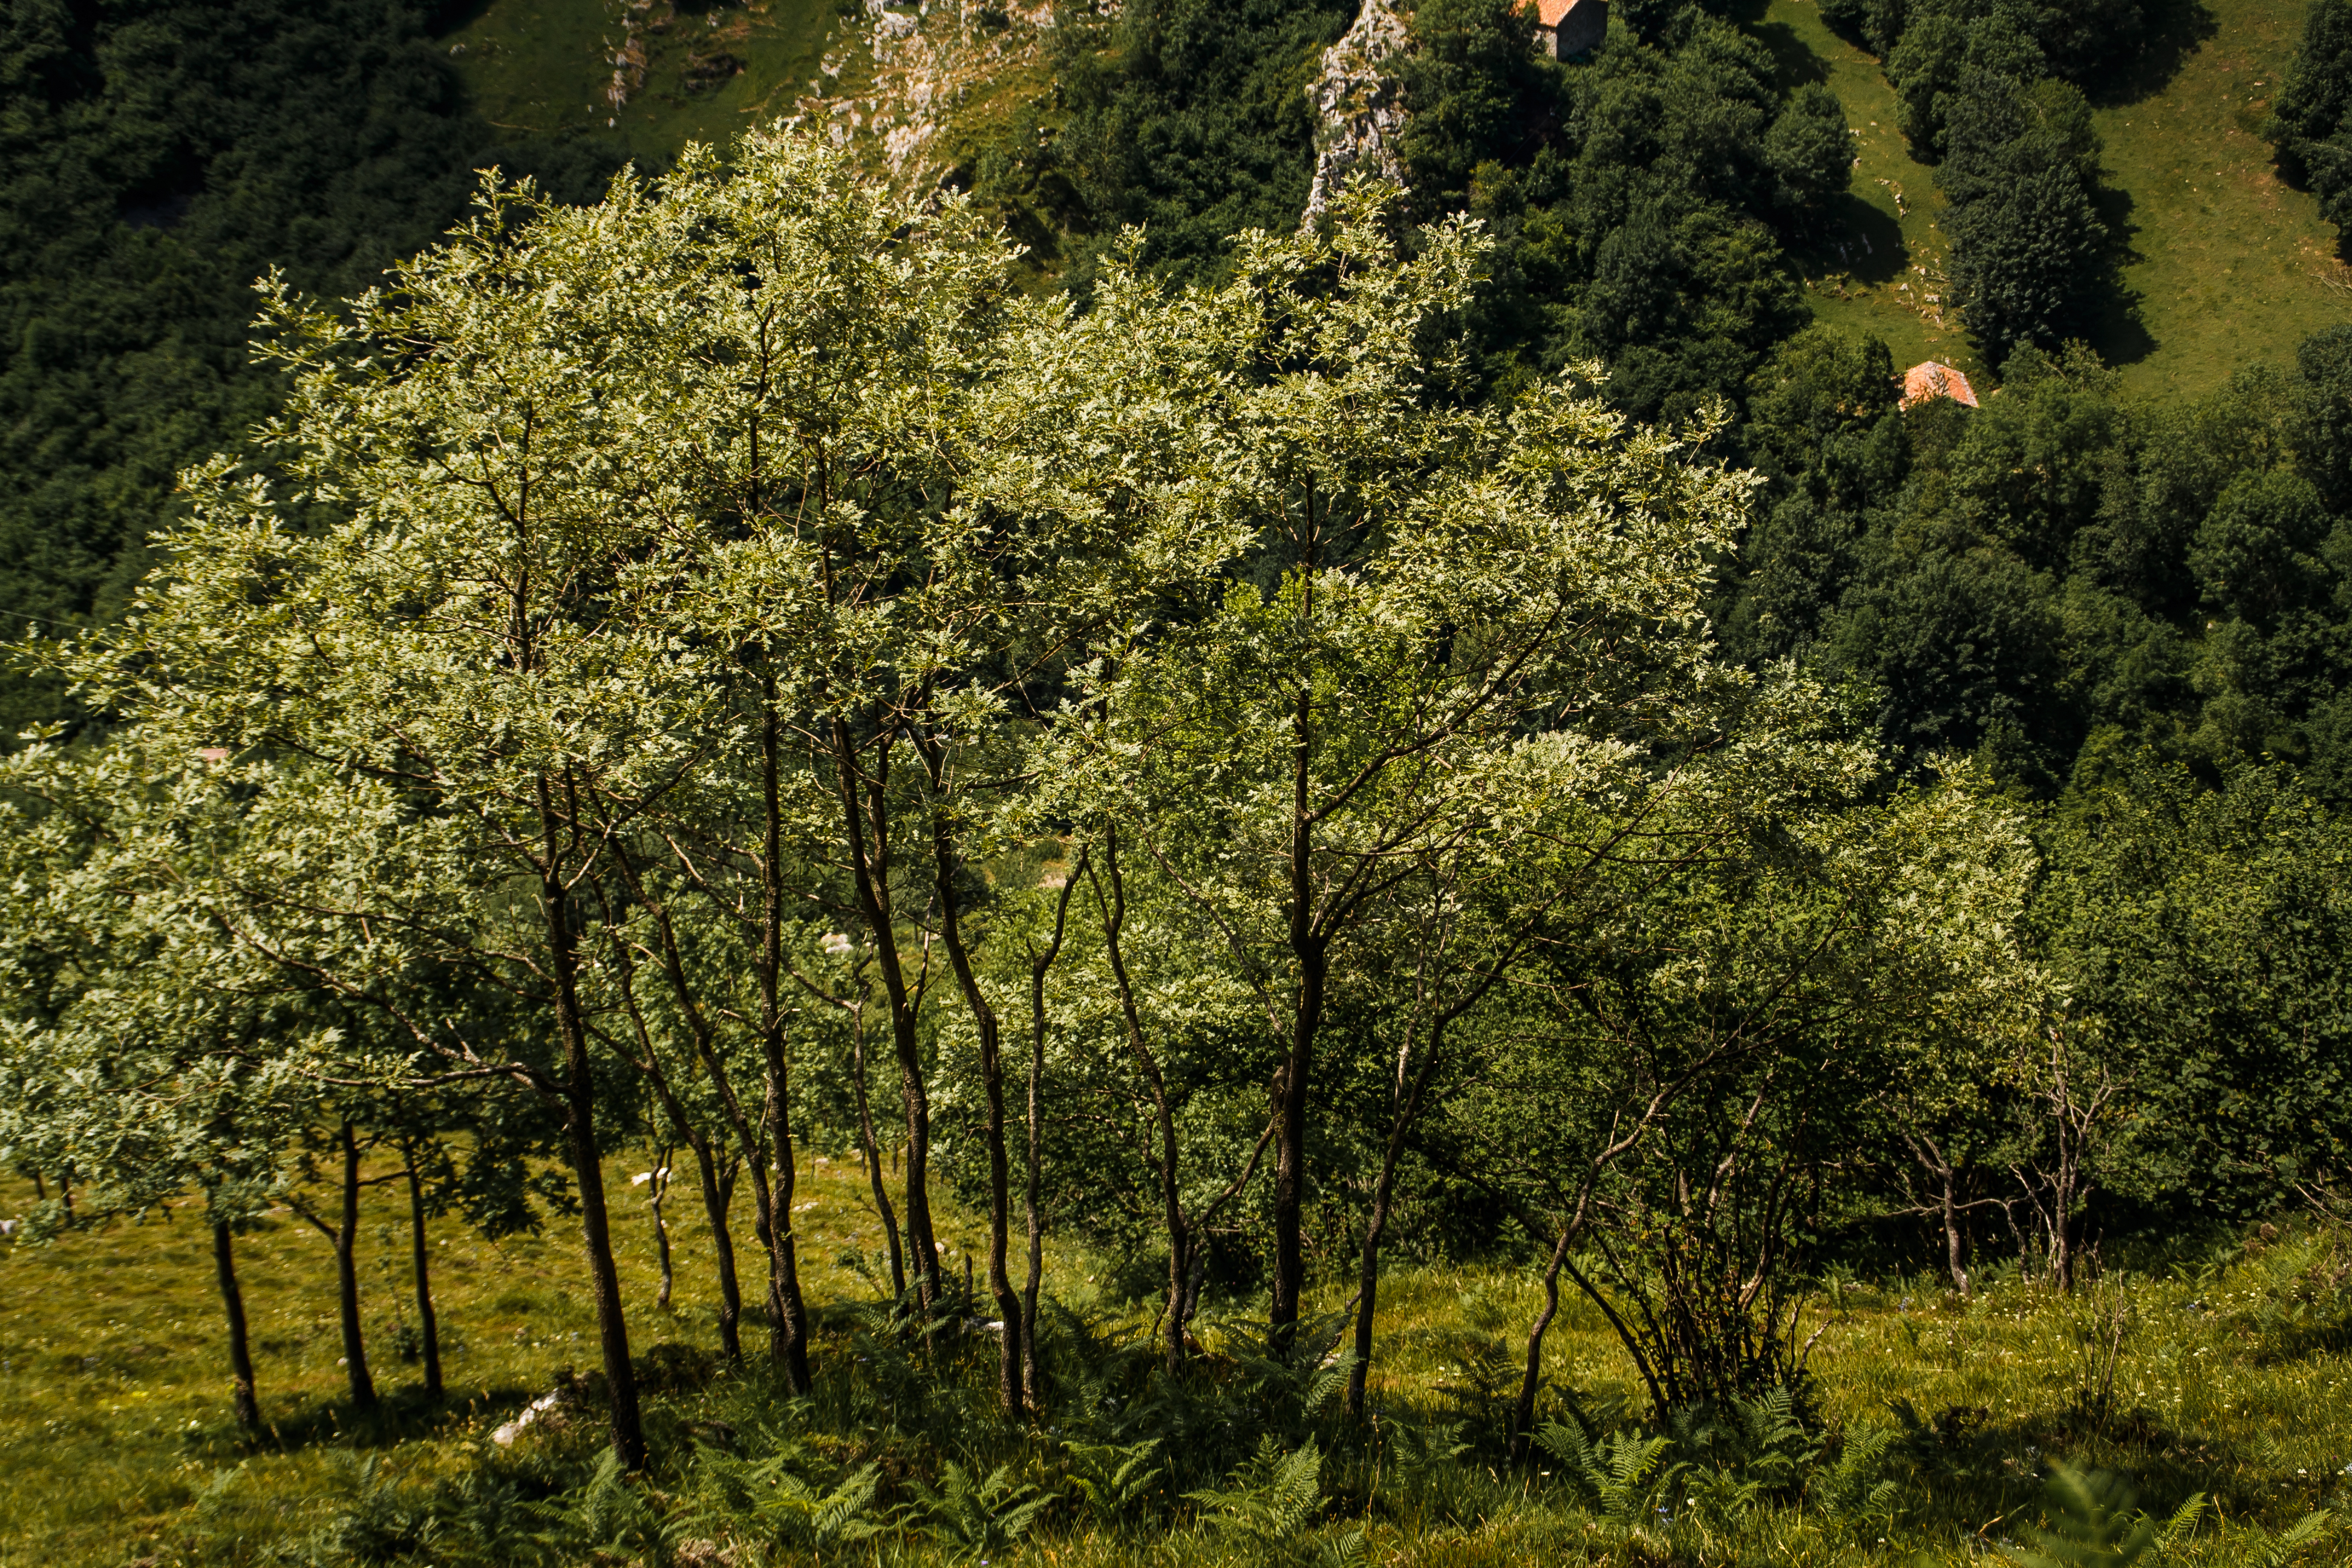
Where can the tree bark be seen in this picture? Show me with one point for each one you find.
(790, 1330)
(1292, 1081)
(1179, 1239)
(870, 874)
(723, 1246)
(1523, 1410)
(240, 1348)
(1039, 964)
(347, 1276)
(1009, 1378)
(587, 1159)
(873, 1150)
(657, 1186)
(1292, 1085)
(1408, 1110)
(429, 1325)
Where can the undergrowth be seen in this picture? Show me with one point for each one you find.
(2191, 1414)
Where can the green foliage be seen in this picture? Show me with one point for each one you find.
(1115, 1478)
(156, 157)
(1270, 1499)
(1628, 1476)
(2029, 249)
(1641, 198)
(970, 1517)
(2307, 121)
(2090, 1524)
(769, 1496)
(1188, 118)
(2208, 929)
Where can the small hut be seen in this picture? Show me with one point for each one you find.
(1566, 28)
(1923, 383)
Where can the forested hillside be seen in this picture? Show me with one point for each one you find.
(1207, 781)
(156, 159)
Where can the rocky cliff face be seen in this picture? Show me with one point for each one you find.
(1358, 102)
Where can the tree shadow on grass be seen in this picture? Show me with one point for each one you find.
(1794, 63)
(403, 1415)
(1856, 238)
(2115, 327)
(2176, 30)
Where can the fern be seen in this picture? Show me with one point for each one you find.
(1271, 1498)
(2183, 1523)
(1112, 1478)
(1625, 1475)
(2090, 1524)
(970, 1517)
(1852, 1489)
(2283, 1549)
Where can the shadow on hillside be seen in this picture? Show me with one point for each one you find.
(1856, 238)
(2176, 30)
(401, 1415)
(1794, 63)
(2118, 329)
(450, 16)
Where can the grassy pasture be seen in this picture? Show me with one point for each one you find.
(688, 71)
(115, 1445)
(2224, 264)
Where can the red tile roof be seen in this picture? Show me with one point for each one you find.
(1549, 12)
(1930, 380)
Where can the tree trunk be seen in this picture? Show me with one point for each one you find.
(871, 873)
(429, 1325)
(1292, 1085)
(1310, 951)
(587, 1158)
(789, 1335)
(347, 1277)
(1523, 1411)
(240, 1350)
(1039, 964)
(1009, 1379)
(1180, 1240)
(1407, 1110)
(723, 1246)
(882, 1205)
(657, 1189)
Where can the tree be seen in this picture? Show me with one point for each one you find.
(140, 1052)
(1426, 586)
(1694, 1061)
(2028, 248)
(470, 649)
(2306, 122)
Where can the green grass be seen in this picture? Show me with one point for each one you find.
(2225, 264)
(114, 1383)
(548, 65)
(115, 1445)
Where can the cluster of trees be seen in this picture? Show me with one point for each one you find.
(1310, 752)
(1643, 200)
(2063, 577)
(658, 650)
(156, 156)
(1986, 91)
(2307, 123)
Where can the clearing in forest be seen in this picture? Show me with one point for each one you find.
(2224, 264)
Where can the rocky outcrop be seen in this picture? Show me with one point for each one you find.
(1358, 106)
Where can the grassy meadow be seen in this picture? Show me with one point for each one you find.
(2229, 1378)
(680, 72)
(2224, 264)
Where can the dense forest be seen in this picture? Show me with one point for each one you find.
(156, 159)
(1255, 763)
